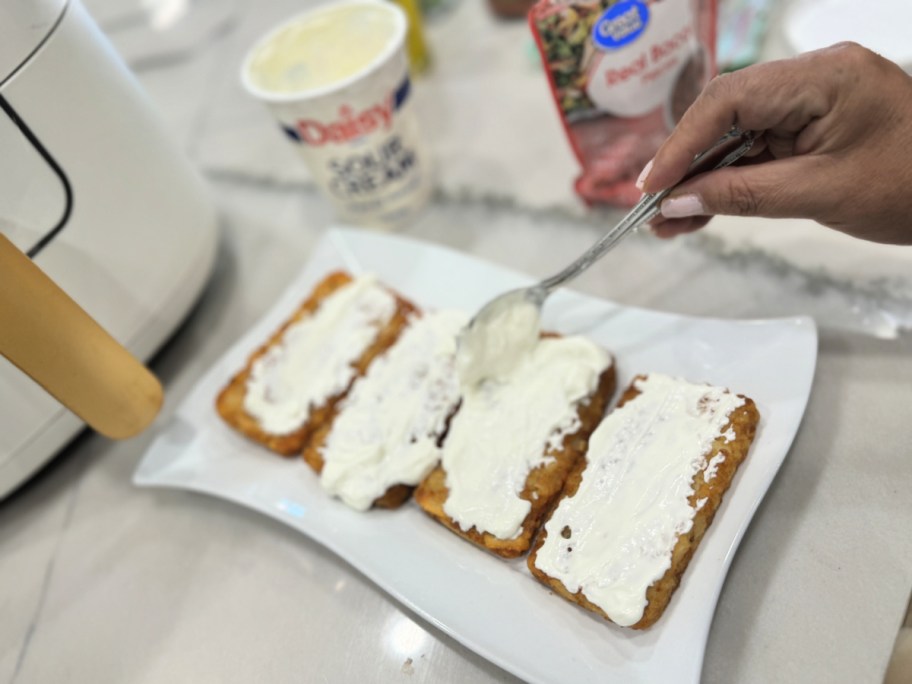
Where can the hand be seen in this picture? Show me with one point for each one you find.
(835, 146)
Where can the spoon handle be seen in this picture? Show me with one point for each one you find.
(648, 206)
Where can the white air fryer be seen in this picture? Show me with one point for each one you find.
(94, 191)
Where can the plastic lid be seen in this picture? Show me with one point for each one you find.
(24, 24)
(881, 26)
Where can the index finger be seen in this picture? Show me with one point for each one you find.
(784, 95)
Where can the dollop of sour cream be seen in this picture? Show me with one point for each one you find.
(498, 341)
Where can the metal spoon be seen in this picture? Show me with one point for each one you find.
(476, 336)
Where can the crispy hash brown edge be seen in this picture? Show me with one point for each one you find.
(743, 420)
(546, 480)
(230, 401)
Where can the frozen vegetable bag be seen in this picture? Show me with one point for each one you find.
(622, 73)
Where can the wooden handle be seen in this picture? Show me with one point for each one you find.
(56, 343)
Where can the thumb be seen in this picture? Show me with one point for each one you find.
(783, 188)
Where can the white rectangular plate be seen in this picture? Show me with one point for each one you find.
(492, 606)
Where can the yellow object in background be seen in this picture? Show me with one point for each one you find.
(414, 42)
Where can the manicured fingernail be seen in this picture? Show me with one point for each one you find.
(641, 180)
(682, 207)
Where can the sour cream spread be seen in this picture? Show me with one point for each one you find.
(506, 425)
(313, 360)
(614, 537)
(388, 428)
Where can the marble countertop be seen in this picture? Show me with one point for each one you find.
(103, 582)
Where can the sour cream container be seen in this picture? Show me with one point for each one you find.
(336, 79)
